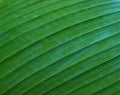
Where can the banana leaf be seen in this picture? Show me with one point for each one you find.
(59, 47)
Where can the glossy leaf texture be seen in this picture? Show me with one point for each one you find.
(59, 47)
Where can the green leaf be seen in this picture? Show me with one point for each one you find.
(59, 47)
